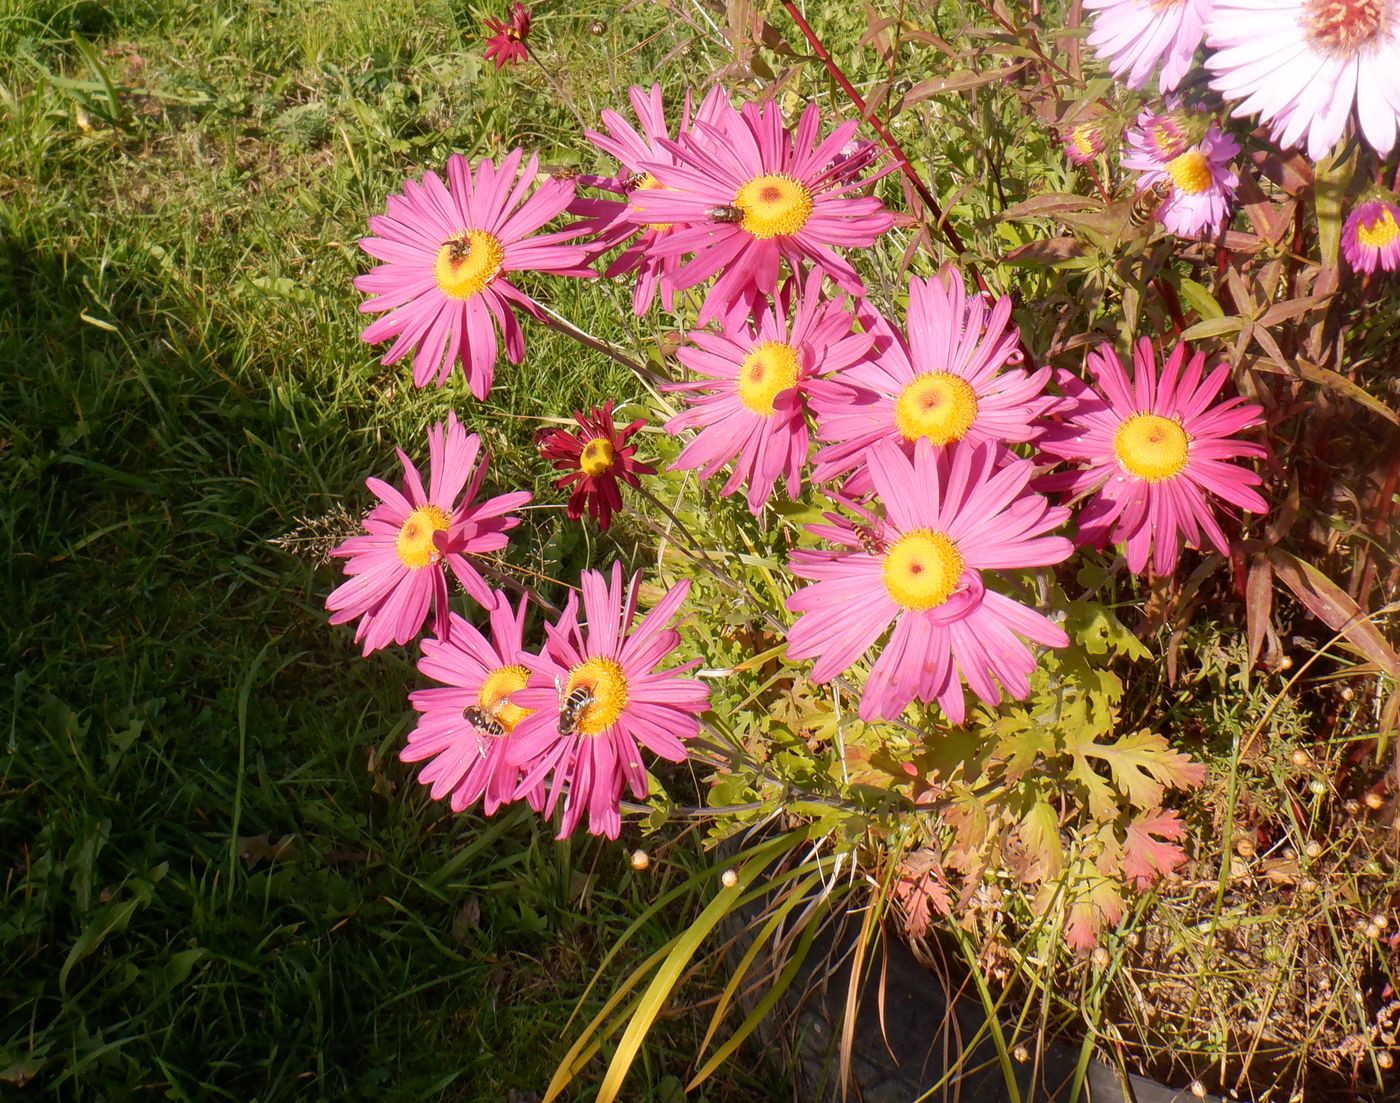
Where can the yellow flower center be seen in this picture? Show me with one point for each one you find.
(1344, 26)
(922, 569)
(468, 262)
(1190, 172)
(1379, 233)
(767, 371)
(1167, 139)
(1084, 136)
(938, 405)
(647, 183)
(1151, 447)
(495, 696)
(774, 205)
(415, 540)
(607, 683)
(597, 456)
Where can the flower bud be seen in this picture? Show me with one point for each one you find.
(640, 859)
(729, 878)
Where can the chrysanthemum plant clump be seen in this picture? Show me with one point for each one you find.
(897, 518)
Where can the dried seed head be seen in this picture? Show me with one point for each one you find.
(1132, 940)
(1301, 758)
(1099, 957)
(1384, 1059)
(729, 878)
(1313, 849)
(640, 859)
(1021, 1053)
(1198, 1089)
(1317, 786)
(1373, 801)
(1244, 847)
(1290, 853)
(597, 27)
(1352, 807)
(1381, 920)
(1372, 931)
(1348, 693)
(1285, 663)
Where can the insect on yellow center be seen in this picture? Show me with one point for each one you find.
(767, 371)
(649, 183)
(467, 262)
(1345, 26)
(607, 683)
(1378, 233)
(922, 569)
(495, 695)
(597, 456)
(774, 205)
(1190, 172)
(1151, 447)
(938, 405)
(415, 540)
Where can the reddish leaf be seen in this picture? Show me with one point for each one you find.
(1335, 608)
(1258, 604)
(1148, 851)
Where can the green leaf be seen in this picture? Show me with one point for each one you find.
(1331, 180)
(1200, 299)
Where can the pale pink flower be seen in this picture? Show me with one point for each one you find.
(744, 194)
(946, 382)
(750, 400)
(1305, 67)
(397, 570)
(1134, 36)
(466, 724)
(1199, 178)
(448, 250)
(1153, 451)
(598, 695)
(918, 572)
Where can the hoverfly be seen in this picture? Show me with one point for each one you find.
(726, 214)
(870, 541)
(458, 249)
(571, 712)
(1146, 202)
(483, 720)
(561, 172)
(632, 181)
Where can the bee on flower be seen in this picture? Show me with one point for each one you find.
(1163, 151)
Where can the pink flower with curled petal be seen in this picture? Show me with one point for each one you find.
(448, 250)
(466, 723)
(397, 568)
(946, 381)
(1135, 36)
(1084, 142)
(613, 666)
(918, 574)
(744, 195)
(611, 221)
(750, 400)
(1199, 178)
(1306, 67)
(1371, 236)
(506, 43)
(1153, 451)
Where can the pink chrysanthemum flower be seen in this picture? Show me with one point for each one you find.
(1154, 449)
(1302, 65)
(1371, 236)
(467, 723)
(596, 458)
(745, 194)
(396, 569)
(448, 249)
(1084, 142)
(612, 222)
(749, 402)
(506, 43)
(1201, 181)
(598, 697)
(948, 517)
(1133, 36)
(946, 382)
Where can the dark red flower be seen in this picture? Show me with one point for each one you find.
(506, 43)
(595, 456)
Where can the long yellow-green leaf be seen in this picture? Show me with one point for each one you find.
(868, 926)
(582, 1051)
(682, 950)
(761, 1009)
(1330, 183)
(794, 897)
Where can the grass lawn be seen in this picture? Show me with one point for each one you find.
(219, 882)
